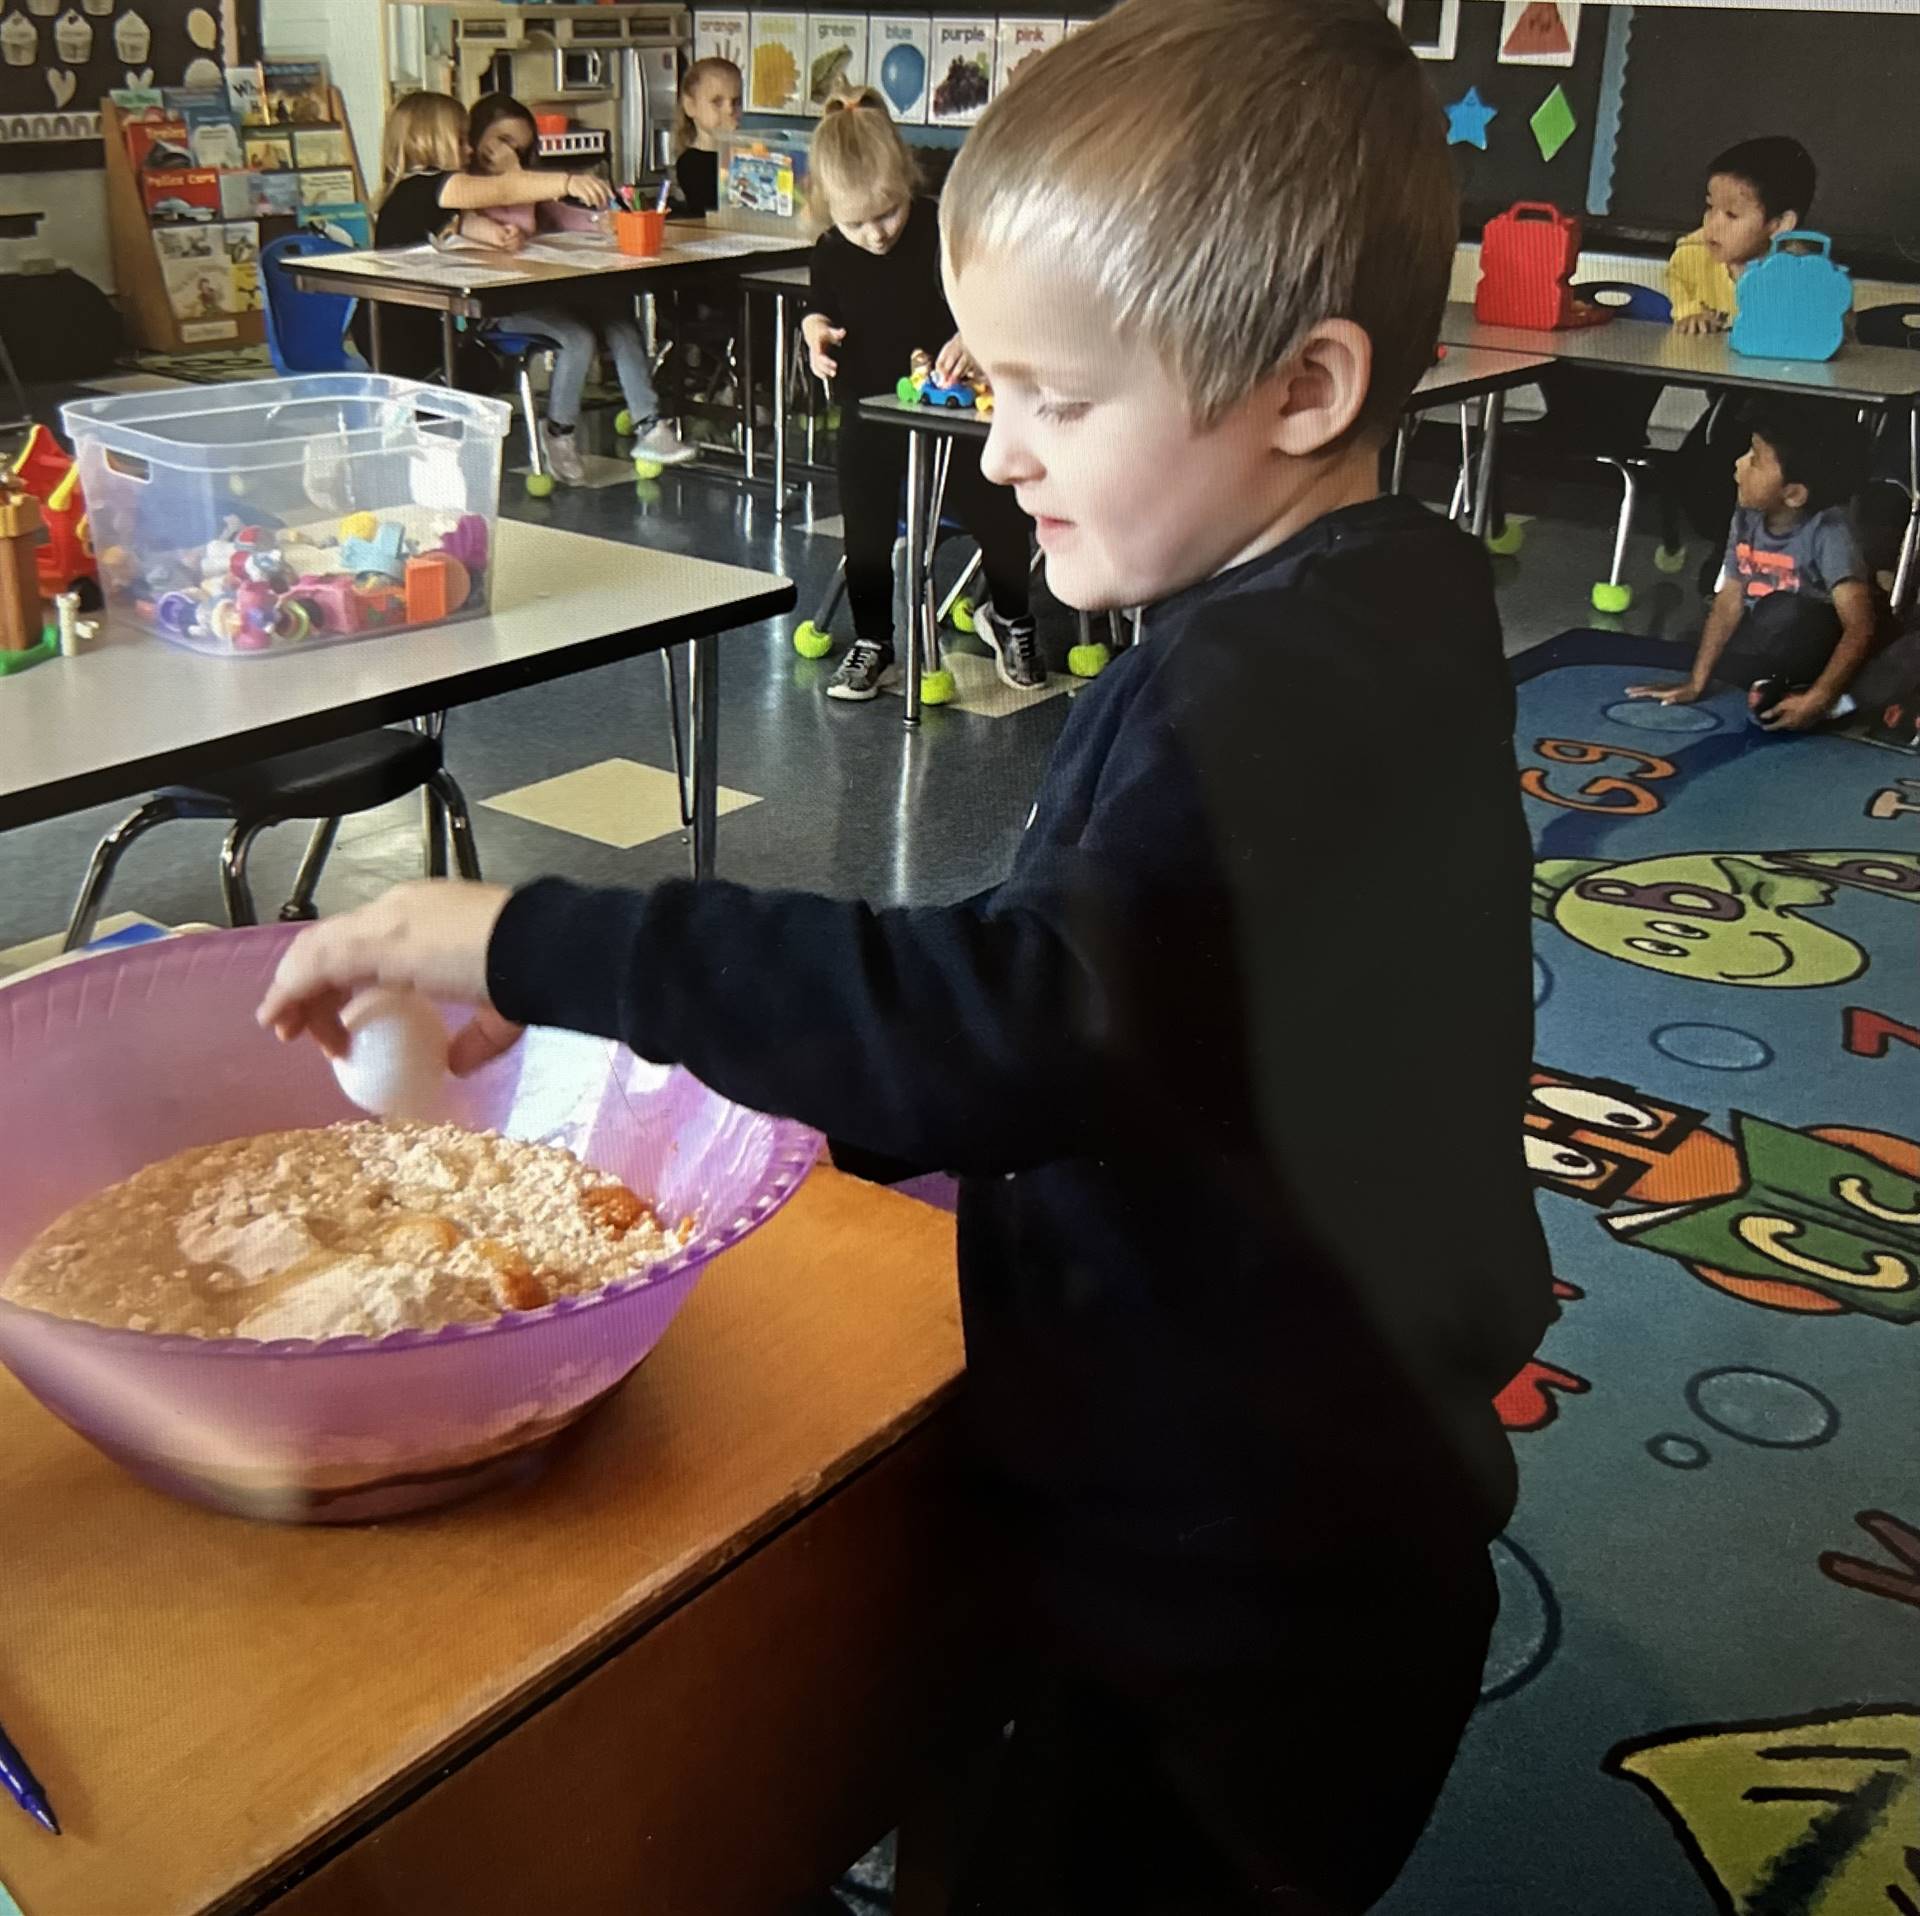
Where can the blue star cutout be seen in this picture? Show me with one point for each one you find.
(1467, 120)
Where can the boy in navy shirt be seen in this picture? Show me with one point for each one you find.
(1233, 1064)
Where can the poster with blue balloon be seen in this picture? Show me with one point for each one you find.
(898, 56)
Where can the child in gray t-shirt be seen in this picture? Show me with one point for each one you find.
(1794, 618)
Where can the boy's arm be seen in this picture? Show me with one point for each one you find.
(1853, 600)
(1729, 603)
(1690, 284)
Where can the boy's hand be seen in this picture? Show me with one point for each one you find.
(1683, 693)
(955, 363)
(492, 232)
(430, 937)
(589, 189)
(1708, 322)
(1797, 712)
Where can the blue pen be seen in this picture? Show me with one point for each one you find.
(24, 1786)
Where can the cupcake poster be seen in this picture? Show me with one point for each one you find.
(962, 70)
(899, 54)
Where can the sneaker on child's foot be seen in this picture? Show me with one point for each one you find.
(861, 672)
(661, 443)
(1016, 649)
(561, 446)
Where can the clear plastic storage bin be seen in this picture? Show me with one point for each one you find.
(247, 519)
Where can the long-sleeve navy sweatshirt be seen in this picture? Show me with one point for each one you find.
(1232, 1066)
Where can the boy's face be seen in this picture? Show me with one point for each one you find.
(1736, 225)
(505, 145)
(873, 223)
(1761, 485)
(1132, 502)
(714, 105)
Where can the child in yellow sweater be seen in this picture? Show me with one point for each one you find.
(1755, 191)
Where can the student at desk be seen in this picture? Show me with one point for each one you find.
(424, 193)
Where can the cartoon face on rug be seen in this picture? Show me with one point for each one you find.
(1724, 918)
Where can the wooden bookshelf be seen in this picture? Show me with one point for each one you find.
(144, 301)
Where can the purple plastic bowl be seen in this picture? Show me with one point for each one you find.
(129, 1057)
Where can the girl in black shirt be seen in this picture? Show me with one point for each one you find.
(876, 299)
(709, 107)
(424, 193)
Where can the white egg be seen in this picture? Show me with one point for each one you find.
(396, 1066)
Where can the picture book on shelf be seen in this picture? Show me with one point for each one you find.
(236, 195)
(269, 149)
(348, 226)
(247, 95)
(272, 195)
(186, 197)
(296, 92)
(157, 142)
(197, 271)
(327, 186)
(321, 146)
(213, 134)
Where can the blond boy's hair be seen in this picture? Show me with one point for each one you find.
(857, 153)
(1293, 168)
(424, 132)
(712, 67)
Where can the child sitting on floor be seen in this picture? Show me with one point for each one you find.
(1794, 618)
(502, 138)
(1246, 1243)
(424, 193)
(875, 300)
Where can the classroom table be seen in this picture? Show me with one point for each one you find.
(476, 284)
(1885, 378)
(133, 713)
(1463, 375)
(694, 1670)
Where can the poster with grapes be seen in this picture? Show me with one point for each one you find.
(899, 52)
(962, 71)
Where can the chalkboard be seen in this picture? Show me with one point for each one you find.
(1846, 85)
(1511, 168)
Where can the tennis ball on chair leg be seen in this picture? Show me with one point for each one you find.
(963, 618)
(1612, 598)
(623, 423)
(539, 484)
(1508, 541)
(1670, 560)
(810, 642)
(936, 688)
(648, 468)
(1089, 661)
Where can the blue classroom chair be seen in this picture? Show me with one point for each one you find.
(306, 332)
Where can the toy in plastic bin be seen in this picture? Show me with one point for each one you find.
(24, 639)
(1527, 257)
(1794, 304)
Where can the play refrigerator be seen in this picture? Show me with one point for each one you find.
(277, 514)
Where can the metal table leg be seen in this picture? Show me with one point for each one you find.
(706, 752)
(1903, 578)
(374, 307)
(779, 405)
(1493, 410)
(916, 565)
(448, 347)
(749, 447)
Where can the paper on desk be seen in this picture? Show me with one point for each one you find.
(729, 247)
(8, 1907)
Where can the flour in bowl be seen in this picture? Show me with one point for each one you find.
(355, 1230)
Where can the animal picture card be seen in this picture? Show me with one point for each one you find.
(1539, 33)
(897, 56)
(836, 56)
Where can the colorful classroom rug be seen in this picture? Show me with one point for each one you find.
(1704, 1692)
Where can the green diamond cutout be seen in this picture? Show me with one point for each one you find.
(1553, 123)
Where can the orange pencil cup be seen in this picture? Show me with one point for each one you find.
(642, 234)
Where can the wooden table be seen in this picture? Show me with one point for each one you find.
(1477, 373)
(132, 713)
(692, 1672)
(1885, 378)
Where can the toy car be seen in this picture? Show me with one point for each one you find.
(959, 396)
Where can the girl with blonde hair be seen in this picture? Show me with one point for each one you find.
(875, 300)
